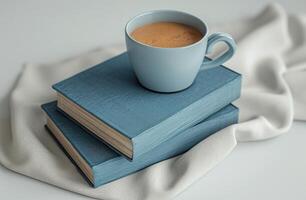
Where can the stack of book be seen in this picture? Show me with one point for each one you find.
(110, 126)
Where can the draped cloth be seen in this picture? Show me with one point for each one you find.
(271, 56)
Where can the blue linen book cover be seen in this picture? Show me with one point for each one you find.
(108, 101)
(105, 165)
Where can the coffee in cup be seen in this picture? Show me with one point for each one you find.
(167, 34)
(166, 49)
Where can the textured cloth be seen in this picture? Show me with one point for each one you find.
(271, 56)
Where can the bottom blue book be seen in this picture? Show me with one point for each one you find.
(100, 164)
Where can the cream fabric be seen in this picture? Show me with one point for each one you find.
(271, 55)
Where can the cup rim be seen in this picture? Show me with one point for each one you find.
(164, 10)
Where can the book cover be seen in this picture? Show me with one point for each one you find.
(108, 100)
(100, 164)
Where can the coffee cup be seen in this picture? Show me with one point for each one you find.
(163, 69)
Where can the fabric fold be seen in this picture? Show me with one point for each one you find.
(270, 56)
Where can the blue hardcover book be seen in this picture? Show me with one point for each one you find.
(100, 164)
(107, 100)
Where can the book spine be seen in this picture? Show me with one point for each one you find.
(194, 113)
(105, 173)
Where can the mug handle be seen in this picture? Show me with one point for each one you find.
(212, 40)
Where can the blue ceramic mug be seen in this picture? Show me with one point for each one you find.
(173, 69)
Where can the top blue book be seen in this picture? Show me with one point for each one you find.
(108, 101)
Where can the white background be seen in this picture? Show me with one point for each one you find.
(48, 31)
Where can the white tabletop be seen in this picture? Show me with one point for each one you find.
(46, 31)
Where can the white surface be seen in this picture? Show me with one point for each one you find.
(276, 171)
(282, 176)
(43, 32)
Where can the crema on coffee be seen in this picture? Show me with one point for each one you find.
(167, 34)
